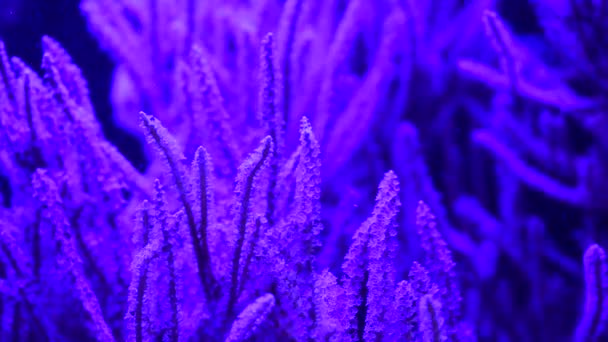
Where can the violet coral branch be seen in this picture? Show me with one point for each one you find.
(359, 114)
(171, 153)
(68, 258)
(368, 268)
(249, 181)
(168, 241)
(204, 199)
(138, 315)
(595, 313)
(431, 320)
(500, 38)
(211, 125)
(406, 307)
(299, 237)
(271, 116)
(15, 257)
(308, 192)
(251, 318)
(438, 260)
(287, 30)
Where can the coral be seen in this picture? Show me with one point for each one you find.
(339, 170)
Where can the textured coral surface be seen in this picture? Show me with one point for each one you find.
(303, 170)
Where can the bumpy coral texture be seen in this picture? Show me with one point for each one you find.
(288, 197)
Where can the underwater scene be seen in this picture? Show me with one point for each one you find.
(303, 170)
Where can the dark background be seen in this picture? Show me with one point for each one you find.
(22, 25)
(24, 22)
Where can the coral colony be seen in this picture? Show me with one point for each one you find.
(269, 211)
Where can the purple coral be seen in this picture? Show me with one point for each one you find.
(273, 122)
